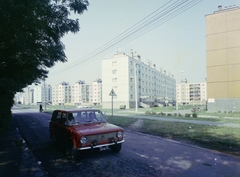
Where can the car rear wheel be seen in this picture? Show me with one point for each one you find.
(116, 148)
(54, 140)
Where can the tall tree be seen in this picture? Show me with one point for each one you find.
(30, 42)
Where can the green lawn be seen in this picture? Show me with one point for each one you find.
(225, 139)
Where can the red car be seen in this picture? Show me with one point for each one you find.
(84, 129)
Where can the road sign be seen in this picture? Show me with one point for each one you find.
(112, 93)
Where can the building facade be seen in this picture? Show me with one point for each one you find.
(81, 93)
(223, 59)
(77, 94)
(95, 94)
(135, 83)
(61, 94)
(42, 94)
(191, 93)
(28, 94)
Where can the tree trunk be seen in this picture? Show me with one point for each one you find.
(6, 103)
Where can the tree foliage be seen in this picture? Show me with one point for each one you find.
(30, 41)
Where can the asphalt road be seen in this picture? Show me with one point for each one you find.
(142, 155)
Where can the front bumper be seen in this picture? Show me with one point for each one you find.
(101, 145)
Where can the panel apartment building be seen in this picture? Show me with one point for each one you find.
(191, 93)
(223, 59)
(34, 95)
(77, 94)
(135, 83)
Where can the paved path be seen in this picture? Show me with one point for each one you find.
(202, 122)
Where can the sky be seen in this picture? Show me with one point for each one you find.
(176, 43)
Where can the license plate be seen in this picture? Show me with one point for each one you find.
(103, 148)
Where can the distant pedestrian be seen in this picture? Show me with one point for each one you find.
(40, 108)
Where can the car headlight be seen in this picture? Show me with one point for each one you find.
(120, 134)
(83, 141)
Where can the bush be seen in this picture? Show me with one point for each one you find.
(150, 113)
(122, 106)
(161, 114)
(169, 114)
(153, 113)
(194, 115)
(187, 115)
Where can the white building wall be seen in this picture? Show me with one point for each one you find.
(119, 73)
(55, 97)
(97, 92)
(191, 93)
(61, 94)
(82, 94)
(38, 94)
(115, 75)
(204, 92)
(28, 94)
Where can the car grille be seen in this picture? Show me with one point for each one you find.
(100, 137)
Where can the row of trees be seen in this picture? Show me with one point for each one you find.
(30, 42)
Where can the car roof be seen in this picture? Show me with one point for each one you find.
(77, 110)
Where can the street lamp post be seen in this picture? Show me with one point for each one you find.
(176, 89)
(136, 90)
(165, 94)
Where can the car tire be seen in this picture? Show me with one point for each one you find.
(116, 148)
(72, 151)
(54, 140)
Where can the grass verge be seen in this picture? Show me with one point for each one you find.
(121, 121)
(224, 139)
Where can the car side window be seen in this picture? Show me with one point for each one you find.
(54, 116)
(58, 117)
(64, 118)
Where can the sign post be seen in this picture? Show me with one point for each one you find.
(112, 93)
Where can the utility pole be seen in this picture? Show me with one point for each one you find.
(136, 90)
(44, 95)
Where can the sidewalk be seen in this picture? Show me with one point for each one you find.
(10, 153)
(171, 119)
(15, 159)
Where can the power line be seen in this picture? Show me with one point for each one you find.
(145, 25)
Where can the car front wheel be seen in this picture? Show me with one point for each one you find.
(116, 148)
(72, 151)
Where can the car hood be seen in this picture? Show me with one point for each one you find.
(96, 128)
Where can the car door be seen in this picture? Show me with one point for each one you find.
(56, 124)
(62, 128)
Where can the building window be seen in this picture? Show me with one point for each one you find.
(114, 63)
(114, 71)
(114, 79)
(114, 88)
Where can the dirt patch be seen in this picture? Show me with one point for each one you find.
(137, 125)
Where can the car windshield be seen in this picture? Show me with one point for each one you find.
(87, 116)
